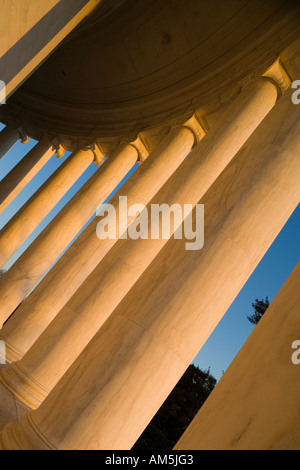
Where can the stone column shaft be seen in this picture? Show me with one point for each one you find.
(31, 30)
(24, 172)
(36, 374)
(117, 384)
(9, 136)
(259, 392)
(26, 220)
(87, 251)
(194, 177)
(60, 232)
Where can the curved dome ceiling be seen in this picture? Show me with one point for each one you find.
(135, 64)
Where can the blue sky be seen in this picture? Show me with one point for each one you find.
(234, 329)
(8, 162)
(266, 280)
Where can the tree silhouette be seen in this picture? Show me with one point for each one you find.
(185, 401)
(260, 307)
(178, 411)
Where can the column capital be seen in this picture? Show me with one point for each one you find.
(197, 129)
(23, 135)
(98, 154)
(141, 149)
(279, 76)
(59, 148)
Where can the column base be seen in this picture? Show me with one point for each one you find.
(11, 409)
(27, 391)
(23, 436)
(11, 353)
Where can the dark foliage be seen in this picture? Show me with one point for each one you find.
(260, 307)
(178, 411)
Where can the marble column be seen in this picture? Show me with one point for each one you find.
(30, 30)
(9, 136)
(255, 406)
(193, 178)
(24, 172)
(87, 251)
(80, 260)
(26, 220)
(55, 238)
(44, 364)
(110, 393)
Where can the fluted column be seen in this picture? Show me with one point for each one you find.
(9, 136)
(80, 260)
(56, 237)
(87, 251)
(24, 172)
(38, 371)
(110, 393)
(26, 220)
(196, 174)
(260, 390)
